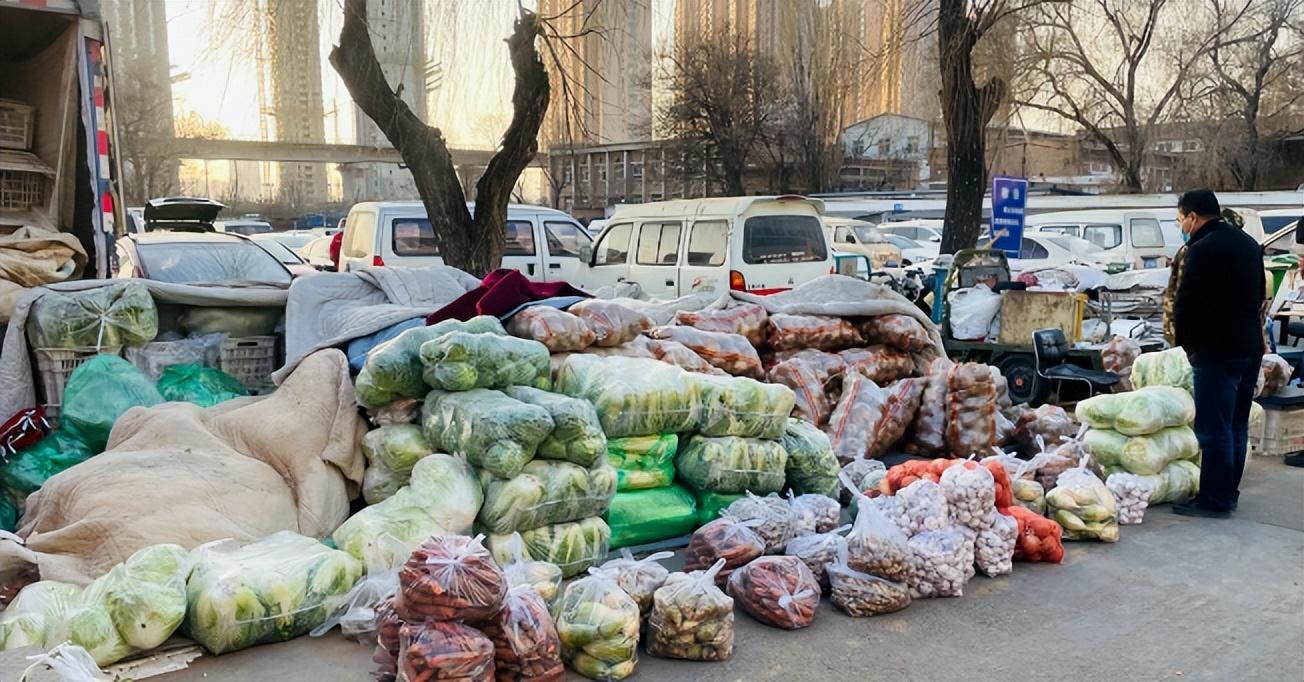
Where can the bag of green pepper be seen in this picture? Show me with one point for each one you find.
(643, 462)
(732, 464)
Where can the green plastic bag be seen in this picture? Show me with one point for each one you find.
(461, 361)
(642, 516)
(203, 386)
(99, 392)
(393, 369)
(738, 406)
(494, 432)
(121, 314)
(643, 462)
(710, 504)
(812, 467)
(577, 435)
(732, 464)
(8, 515)
(28, 470)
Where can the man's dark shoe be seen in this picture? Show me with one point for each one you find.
(1194, 508)
(1295, 460)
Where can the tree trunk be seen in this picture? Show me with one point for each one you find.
(966, 110)
(733, 175)
(471, 244)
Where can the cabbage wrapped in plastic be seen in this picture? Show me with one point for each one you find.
(442, 497)
(90, 627)
(1140, 412)
(598, 624)
(493, 431)
(37, 614)
(811, 467)
(461, 361)
(576, 435)
(1165, 368)
(572, 546)
(1178, 481)
(544, 493)
(391, 453)
(393, 369)
(1144, 455)
(99, 391)
(737, 406)
(121, 314)
(732, 464)
(146, 594)
(272, 590)
(643, 462)
(633, 396)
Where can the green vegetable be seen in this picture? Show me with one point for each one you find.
(203, 386)
(398, 447)
(28, 470)
(544, 493)
(146, 594)
(738, 406)
(577, 434)
(642, 516)
(441, 497)
(598, 624)
(1144, 455)
(812, 467)
(732, 464)
(99, 392)
(91, 628)
(1140, 412)
(496, 433)
(269, 591)
(1166, 368)
(120, 314)
(633, 396)
(393, 369)
(572, 546)
(37, 614)
(643, 461)
(461, 361)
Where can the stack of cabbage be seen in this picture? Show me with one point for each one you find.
(272, 590)
(135, 606)
(719, 434)
(1146, 432)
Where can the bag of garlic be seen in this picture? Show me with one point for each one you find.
(814, 513)
(993, 551)
(941, 562)
(859, 594)
(970, 494)
(1132, 493)
(920, 507)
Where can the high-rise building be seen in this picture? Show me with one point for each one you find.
(295, 60)
(603, 93)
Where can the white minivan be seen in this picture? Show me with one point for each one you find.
(761, 244)
(1136, 238)
(543, 243)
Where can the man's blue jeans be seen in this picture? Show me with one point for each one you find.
(1224, 390)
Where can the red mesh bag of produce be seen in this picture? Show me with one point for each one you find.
(747, 319)
(612, 323)
(930, 420)
(792, 332)
(450, 577)
(879, 363)
(681, 356)
(868, 420)
(898, 331)
(970, 410)
(439, 650)
(1117, 356)
(808, 384)
(729, 352)
(1039, 537)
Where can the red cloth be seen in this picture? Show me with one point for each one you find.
(337, 241)
(500, 292)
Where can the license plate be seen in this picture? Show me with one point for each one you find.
(1150, 262)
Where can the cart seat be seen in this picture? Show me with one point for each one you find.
(1052, 351)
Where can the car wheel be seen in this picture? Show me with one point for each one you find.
(1020, 372)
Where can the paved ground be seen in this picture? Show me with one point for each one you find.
(1175, 599)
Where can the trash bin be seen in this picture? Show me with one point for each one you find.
(1278, 267)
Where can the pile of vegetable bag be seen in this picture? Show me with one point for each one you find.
(134, 607)
(1146, 432)
(576, 435)
(493, 431)
(105, 317)
(732, 464)
(393, 369)
(633, 396)
(738, 406)
(272, 590)
(643, 462)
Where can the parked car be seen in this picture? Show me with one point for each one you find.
(1041, 250)
(291, 239)
(1134, 238)
(913, 252)
(545, 244)
(179, 245)
(288, 256)
(757, 244)
(1277, 218)
(318, 254)
(919, 230)
(244, 226)
(847, 235)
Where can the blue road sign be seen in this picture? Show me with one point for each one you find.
(1009, 199)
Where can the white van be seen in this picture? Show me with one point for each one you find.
(543, 243)
(674, 248)
(1136, 238)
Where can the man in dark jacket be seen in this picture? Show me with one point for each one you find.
(1217, 319)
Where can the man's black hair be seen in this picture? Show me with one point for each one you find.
(1202, 202)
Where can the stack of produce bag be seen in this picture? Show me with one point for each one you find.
(1146, 432)
(136, 606)
(278, 588)
(731, 353)
(746, 319)
(393, 369)
(559, 330)
(868, 419)
(633, 396)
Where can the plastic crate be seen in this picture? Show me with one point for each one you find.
(1281, 433)
(55, 365)
(16, 125)
(21, 190)
(251, 359)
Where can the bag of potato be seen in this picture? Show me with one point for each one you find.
(613, 324)
(930, 420)
(747, 319)
(901, 332)
(679, 355)
(729, 352)
(808, 374)
(879, 363)
(691, 618)
(793, 332)
(868, 420)
(557, 329)
(970, 410)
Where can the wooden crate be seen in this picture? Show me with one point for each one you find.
(16, 120)
(1024, 312)
(1281, 433)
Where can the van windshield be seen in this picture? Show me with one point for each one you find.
(783, 239)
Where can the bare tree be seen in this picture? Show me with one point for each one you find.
(1256, 78)
(1115, 68)
(723, 104)
(472, 243)
(821, 70)
(143, 123)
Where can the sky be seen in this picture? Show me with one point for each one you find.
(219, 82)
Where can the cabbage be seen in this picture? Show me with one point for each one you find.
(224, 616)
(146, 595)
(38, 609)
(494, 432)
(393, 369)
(461, 361)
(91, 628)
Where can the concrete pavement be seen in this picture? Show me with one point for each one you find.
(1174, 599)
